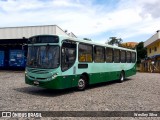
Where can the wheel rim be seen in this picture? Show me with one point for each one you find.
(81, 83)
(122, 77)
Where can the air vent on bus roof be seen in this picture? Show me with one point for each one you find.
(87, 39)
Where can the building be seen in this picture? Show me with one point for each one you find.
(28, 31)
(15, 38)
(152, 62)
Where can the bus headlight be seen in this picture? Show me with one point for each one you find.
(26, 73)
(54, 75)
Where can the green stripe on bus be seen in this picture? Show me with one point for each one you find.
(62, 82)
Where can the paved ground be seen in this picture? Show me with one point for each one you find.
(138, 93)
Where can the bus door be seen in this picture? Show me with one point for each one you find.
(68, 58)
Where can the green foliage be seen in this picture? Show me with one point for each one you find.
(141, 52)
(125, 45)
(114, 41)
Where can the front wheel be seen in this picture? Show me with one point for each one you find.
(122, 77)
(82, 83)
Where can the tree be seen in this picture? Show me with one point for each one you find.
(141, 52)
(129, 45)
(114, 41)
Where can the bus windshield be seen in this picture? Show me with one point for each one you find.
(46, 57)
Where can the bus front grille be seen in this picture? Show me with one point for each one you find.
(37, 71)
(37, 78)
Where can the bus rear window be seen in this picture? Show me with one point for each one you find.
(133, 57)
(43, 39)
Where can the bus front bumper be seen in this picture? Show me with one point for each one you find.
(52, 84)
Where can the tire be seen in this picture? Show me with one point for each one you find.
(82, 82)
(122, 77)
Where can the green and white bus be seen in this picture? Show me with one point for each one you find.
(59, 62)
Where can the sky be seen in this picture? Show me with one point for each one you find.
(131, 20)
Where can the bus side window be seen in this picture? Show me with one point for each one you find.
(128, 57)
(123, 56)
(116, 56)
(85, 53)
(133, 57)
(99, 54)
(109, 55)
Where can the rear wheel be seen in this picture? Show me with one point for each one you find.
(82, 82)
(122, 77)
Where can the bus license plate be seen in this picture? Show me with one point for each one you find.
(36, 83)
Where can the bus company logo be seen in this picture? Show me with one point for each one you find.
(6, 114)
(21, 115)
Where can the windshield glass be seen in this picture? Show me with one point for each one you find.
(43, 56)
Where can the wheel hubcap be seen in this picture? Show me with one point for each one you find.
(81, 83)
(122, 78)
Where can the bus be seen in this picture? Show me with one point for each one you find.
(60, 62)
(2, 58)
(17, 58)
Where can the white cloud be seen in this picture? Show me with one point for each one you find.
(83, 18)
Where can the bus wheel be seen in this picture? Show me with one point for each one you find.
(82, 83)
(122, 77)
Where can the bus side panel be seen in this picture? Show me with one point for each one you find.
(103, 72)
(66, 81)
(75, 80)
(103, 77)
(130, 72)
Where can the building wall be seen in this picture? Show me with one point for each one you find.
(153, 49)
(152, 39)
(20, 32)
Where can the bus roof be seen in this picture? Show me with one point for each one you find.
(88, 42)
(95, 43)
